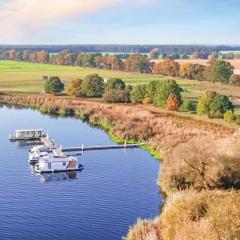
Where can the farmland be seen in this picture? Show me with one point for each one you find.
(27, 78)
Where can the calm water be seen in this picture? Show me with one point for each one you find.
(115, 188)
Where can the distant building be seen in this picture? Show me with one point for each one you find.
(45, 77)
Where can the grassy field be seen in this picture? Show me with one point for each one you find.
(27, 77)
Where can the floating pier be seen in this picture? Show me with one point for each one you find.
(59, 150)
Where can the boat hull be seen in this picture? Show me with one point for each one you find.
(80, 168)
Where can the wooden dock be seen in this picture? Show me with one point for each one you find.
(105, 147)
(59, 150)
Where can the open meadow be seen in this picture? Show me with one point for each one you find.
(27, 78)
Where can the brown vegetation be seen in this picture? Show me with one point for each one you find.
(200, 171)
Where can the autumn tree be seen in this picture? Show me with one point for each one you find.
(114, 63)
(192, 71)
(54, 85)
(75, 87)
(42, 56)
(137, 63)
(167, 68)
(173, 102)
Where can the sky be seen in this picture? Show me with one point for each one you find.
(120, 22)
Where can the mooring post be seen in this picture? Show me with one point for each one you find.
(125, 143)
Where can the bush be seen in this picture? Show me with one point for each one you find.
(54, 85)
(229, 116)
(202, 163)
(164, 89)
(206, 215)
(235, 80)
(237, 119)
(93, 86)
(75, 87)
(115, 83)
(213, 105)
(173, 102)
(187, 106)
(116, 96)
(147, 101)
(138, 93)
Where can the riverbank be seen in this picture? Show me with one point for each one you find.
(195, 175)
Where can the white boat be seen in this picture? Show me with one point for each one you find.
(35, 155)
(51, 164)
(29, 134)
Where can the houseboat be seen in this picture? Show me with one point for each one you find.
(35, 153)
(29, 134)
(50, 164)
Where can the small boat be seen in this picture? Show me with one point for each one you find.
(26, 135)
(50, 164)
(35, 153)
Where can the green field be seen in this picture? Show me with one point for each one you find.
(27, 77)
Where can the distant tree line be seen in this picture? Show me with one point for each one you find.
(93, 48)
(216, 70)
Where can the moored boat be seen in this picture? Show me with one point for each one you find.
(51, 164)
(29, 134)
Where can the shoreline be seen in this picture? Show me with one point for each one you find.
(161, 130)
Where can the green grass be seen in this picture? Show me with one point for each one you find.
(27, 78)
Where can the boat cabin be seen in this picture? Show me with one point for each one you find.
(57, 164)
(27, 134)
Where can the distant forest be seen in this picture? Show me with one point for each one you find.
(163, 49)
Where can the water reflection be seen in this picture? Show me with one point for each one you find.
(60, 176)
(57, 176)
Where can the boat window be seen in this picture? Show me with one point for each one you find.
(49, 165)
(64, 164)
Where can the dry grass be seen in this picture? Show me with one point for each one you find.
(210, 162)
(190, 215)
(162, 131)
(202, 163)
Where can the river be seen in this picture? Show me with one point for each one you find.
(115, 188)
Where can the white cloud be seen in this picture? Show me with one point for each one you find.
(18, 18)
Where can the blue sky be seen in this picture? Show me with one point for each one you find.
(120, 21)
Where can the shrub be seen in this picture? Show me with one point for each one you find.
(115, 83)
(147, 101)
(237, 119)
(229, 116)
(116, 96)
(164, 89)
(173, 102)
(93, 86)
(54, 85)
(206, 215)
(187, 106)
(213, 105)
(138, 93)
(235, 80)
(199, 165)
(75, 87)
